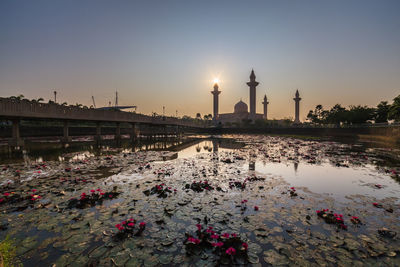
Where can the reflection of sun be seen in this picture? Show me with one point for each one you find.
(216, 80)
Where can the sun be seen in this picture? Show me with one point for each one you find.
(216, 80)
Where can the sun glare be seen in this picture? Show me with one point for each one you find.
(216, 80)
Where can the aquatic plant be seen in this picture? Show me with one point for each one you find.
(128, 228)
(237, 184)
(229, 247)
(8, 252)
(332, 218)
(161, 190)
(96, 196)
(199, 186)
(292, 192)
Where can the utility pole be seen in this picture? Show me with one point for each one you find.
(94, 103)
(163, 111)
(176, 113)
(55, 96)
(116, 98)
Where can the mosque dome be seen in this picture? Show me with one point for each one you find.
(240, 107)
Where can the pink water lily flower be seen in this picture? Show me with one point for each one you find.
(6, 194)
(214, 236)
(245, 246)
(231, 251)
(225, 235)
(131, 224)
(142, 224)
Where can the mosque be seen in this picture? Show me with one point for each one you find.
(240, 110)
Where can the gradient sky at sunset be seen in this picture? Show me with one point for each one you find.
(168, 52)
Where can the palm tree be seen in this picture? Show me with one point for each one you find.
(40, 99)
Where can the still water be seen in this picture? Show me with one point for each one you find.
(265, 190)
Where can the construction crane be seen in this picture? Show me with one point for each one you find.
(94, 103)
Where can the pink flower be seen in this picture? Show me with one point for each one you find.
(245, 246)
(34, 190)
(102, 193)
(110, 196)
(198, 227)
(124, 222)
(98, 189)
(255, 208)
(92, 191)
(244, 201)
(225, 235)
(354, 217)
(131, 224)
(118, 225)
(234, 235)
(218, 244)
(1, 200)
(231, 251)
(131, 219)
(214, 236)
(6, 194)
(375, 204)
(142, 224)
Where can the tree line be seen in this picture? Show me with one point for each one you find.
(338, 115)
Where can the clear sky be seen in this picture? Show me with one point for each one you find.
(168, 52)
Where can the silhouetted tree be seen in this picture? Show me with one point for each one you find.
(317, 116)
(337, 115)
(394, 110)
(381, 112)
(359, 114)
(198, 116)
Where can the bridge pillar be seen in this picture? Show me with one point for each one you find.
(134, 133)
(66, 138)
(97, 137)
(16, 139)
(117, 136)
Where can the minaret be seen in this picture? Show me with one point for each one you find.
(215, 94)
(265, 103)
(252, 84)
(297, 107)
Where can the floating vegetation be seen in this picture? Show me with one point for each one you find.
(199, 186)
(237, 184)
(95, 197)
(229, 248)
(292, 192)
(332, 218)
(128, 228)
(161, 190)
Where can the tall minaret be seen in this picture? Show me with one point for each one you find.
(215, 93)
(252, 84)
(265, 103)
(297, 107)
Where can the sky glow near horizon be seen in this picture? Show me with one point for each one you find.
(168, 53)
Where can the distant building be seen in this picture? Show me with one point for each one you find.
(240, 110)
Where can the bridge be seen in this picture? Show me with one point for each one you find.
(16, 110)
